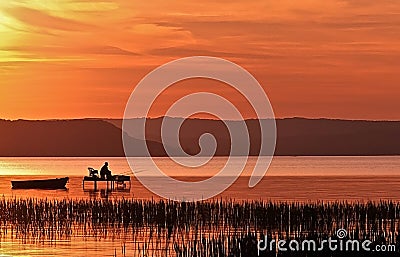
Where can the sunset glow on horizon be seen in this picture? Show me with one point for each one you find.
(79, 58)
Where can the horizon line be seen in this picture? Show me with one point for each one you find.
(205, 119)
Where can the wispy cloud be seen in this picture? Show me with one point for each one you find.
(41, 19)
(307, 53)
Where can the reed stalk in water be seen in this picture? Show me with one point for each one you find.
(208, 228)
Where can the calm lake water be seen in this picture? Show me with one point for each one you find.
(288, 179)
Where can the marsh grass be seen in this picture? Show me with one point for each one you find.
(207, 228)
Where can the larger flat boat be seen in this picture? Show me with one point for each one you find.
(56, 183)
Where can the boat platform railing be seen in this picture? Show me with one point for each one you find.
(114, 182)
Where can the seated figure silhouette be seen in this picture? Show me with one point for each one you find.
(105, 173)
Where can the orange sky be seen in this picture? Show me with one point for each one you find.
(81, 58)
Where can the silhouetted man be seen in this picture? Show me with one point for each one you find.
(105, 172)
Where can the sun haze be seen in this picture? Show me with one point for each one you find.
(78, 58)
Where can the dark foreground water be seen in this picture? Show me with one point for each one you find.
(293, 180)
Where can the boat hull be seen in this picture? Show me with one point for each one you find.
(57, 183)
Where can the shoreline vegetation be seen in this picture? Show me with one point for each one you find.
(208, 228)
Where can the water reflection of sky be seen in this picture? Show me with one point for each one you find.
(281, 166)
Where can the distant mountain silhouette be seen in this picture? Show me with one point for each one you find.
(296, 136)
(65, 138)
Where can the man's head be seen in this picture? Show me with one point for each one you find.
(106, 163)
